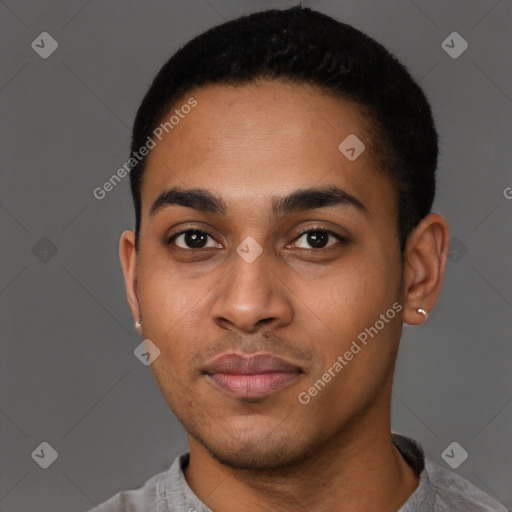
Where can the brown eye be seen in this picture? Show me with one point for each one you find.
(193, 239)
(317, 239)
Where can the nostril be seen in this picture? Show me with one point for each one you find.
(265, 320)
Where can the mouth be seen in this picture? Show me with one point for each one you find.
(251, 376)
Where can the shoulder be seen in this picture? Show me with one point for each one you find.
(452, 492)
(439, 489)
(135, 500)
(152, 495)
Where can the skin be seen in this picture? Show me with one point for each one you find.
(248, 145)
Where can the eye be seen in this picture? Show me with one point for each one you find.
(318, 239)
(193, 239)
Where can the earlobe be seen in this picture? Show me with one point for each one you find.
(128, 258)
(426, 256)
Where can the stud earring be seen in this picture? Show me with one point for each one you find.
(423, 312)
(138, 324)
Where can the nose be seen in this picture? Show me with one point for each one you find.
(251, 296)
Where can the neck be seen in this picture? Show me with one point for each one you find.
(359, 469)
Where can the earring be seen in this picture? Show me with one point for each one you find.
(138, 324)
(423, 312)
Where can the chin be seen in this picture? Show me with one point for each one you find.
(256, 449)
(256, 457)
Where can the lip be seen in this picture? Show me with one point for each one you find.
(251, 375)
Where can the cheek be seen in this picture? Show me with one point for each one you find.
(344, 302)
(171, 307)
(350, 293)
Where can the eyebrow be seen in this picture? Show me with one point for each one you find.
(299, 200)
(196, 198)
(312, 198)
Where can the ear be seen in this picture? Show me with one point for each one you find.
(128, 257)
(426, 253)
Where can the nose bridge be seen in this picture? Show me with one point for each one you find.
(250, 292)
(249, 280)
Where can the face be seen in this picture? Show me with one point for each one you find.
(252, 298)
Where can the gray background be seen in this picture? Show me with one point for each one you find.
(67, 369)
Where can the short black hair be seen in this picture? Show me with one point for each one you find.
(302, 46)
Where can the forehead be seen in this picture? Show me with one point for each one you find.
(256, 141)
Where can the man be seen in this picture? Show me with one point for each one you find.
(283, 177)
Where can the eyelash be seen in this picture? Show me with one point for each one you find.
(340, 238)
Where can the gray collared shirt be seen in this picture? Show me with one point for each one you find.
(439, 490)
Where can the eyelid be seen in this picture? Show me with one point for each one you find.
(170, 239)
(315, 229)
(310, 229)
